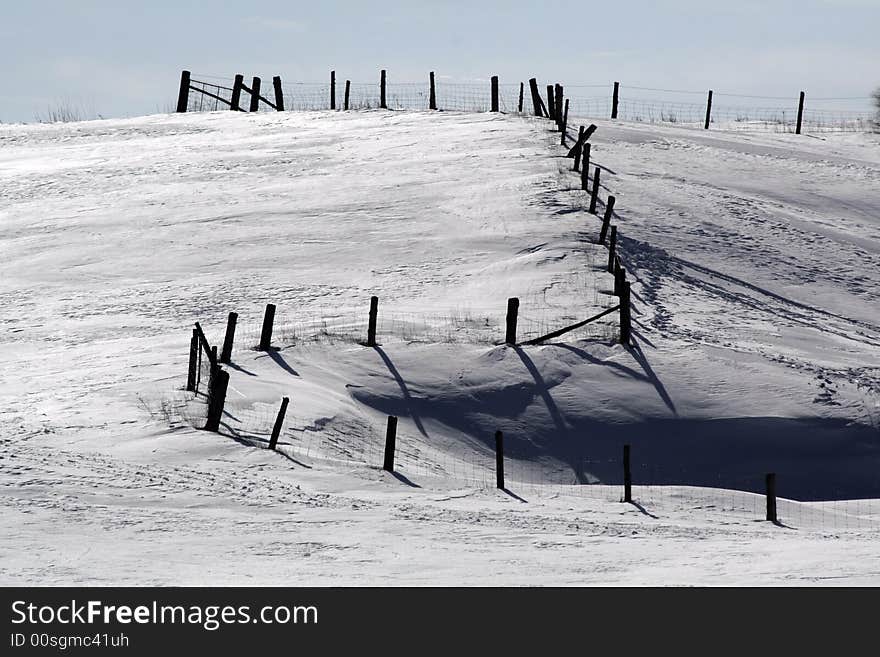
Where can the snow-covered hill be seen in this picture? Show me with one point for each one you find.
(754, 259)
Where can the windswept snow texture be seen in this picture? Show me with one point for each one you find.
(754, 261)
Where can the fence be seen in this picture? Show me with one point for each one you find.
(704, 109)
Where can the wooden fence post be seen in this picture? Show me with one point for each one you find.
(800, 118)
(382, 102)
(708, 111)
(770, 482)
(557, 98)
(579, 146)
(594, 197)
(512, 313)
(521, 90)
(615, 100)
(279, 93)
(371, 327)
(585, 168)
(564, 122)
(183, 93)
(499, 460)
(606, 220)
(390, 443)
(551, 103)
(279, 422)
(625, 313)
(255, 95)
(612, 247)
(235, 101)
(193, 362)
(347, 91)
(627, 475)
(432, 94)
(619, 277)
(226, 354)
(333, 90)
(217, 400)
(494, 93)
(266, 333)
(536, 96)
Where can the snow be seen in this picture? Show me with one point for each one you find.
(754, 259)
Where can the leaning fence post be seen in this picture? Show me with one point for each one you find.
(279, 93)
(564, 122)
(494, 93)
(390, 443)
(708, 111)
(627, 476)
(382, 102)
(432, 93)
(193, 362)
(217, 400)
(536, 96)
(519, 105)
(612, 246)
(499, 460)
(255, 95)
(615, 98)
(512, 313)
(585, 168)
(266, 333)
(183, 93)
(606, 220)
(333, 90)
(347, 90)
(800, 118)
(551, 103)
(235, 101)
(279, 422)
(371, 327)
(578, 147)
(625, 313)
(770, 481)
(226, 354)
(594, 197)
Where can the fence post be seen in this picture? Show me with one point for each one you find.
(347, 91)
(494, 93)
(564, 122)
(578, 147)
(595, 194)
(235, 101)
(226, 354)
(432, 94)
(279, 421)
(551, 103)
(536, 96)
(708, 111)
(193, 363)
(279, 93)
(499, 460)
(333, 90)
(770, 481)
(800, 118)
(625, 313)
(612, 247)
(390, 443)
(606, 220)
(371, 327)
(615, 100)
(557, 97)
(268, 321)
(255, 95)
(627, 476)
(183, 93)
(619, 277)
(585, 168)
(512, 313)
(382, 102)
(521, 90)
(217, 400)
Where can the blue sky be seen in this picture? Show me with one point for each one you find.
(124, 58)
